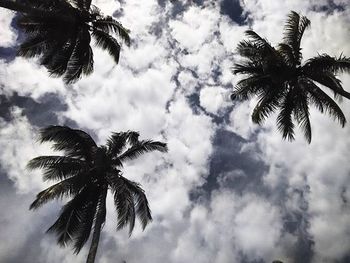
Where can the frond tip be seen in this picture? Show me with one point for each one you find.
(75, 143)
(142, 147)
(109, 25)
(107, 42)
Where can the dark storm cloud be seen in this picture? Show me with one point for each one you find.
(227, 156)
(119, 12)
(39, 113)
(298, 223)
(330, 7)
(8, 53)
(234, 10)
(220, 118)
(178, 7)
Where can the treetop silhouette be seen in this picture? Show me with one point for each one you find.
(85, 172)
(60, 31)
(277, 76)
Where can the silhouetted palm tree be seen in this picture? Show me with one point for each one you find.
(281, 82)
(60, 32)
(86, 172)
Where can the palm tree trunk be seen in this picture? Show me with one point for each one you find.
(26, 9)
(100, 219)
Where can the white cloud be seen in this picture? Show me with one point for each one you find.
(258, 227)
(231, 33)
(18, 141)
(240, 120)
(231, 224)
(213, 99)
(187, 82)
(195, 27)
(107, 7)
(28, 79)
(7, 37)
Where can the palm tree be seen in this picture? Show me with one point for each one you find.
(85, 173)
(59, 31)
(282, 82)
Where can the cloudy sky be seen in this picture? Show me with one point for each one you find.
(228, 191)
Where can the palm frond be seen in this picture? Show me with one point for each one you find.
(88, 4)
(52, 5)
(107, 42)
(84, 228)
(247, 67)
(96, 208)
(301, 113)
(284, 119)
(56, 60)
(68, 224)
(31, 26)
(50, 161)
(89, 60)
(109, 25)
(142, 147)
(325, 63)
(267, 104)
(249, 50)
(95, 11)
(125, 206)
(323, 102)
(33, 46)
(142, 207)
(57, 167)
(328, 80)
(251, 86)
(291, 33)
(130, 194)
(291, 29)
(118, 141)
(287, 53)
(83, 5)
(260, 42)
(81, 60)
(133, 137)
(304, 23)
(262, 110)
(74, 67)
(67, 187)
(75, 143)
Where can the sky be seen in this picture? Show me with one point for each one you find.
(228, 190)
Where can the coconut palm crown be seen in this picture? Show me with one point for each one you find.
(59, 32)
(85, 173)
(282, 82)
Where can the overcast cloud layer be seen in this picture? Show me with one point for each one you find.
(227, 191)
